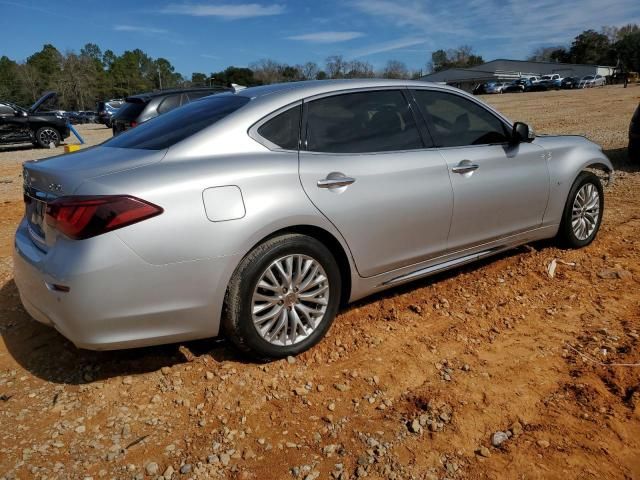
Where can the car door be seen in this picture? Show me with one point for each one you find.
(6, 115)
(500, 188)
(364, 164)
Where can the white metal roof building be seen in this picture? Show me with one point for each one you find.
(506, 70)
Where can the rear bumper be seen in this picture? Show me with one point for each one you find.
(116, 299)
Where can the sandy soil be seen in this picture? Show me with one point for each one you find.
(410, 384)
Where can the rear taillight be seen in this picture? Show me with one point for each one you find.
(134, 124)
(85, 217)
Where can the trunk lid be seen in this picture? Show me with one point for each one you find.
(48, 179)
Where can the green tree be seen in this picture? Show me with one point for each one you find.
(461, 57)
(591, 47)
(199, 79)
(237, 75)
(628, 50)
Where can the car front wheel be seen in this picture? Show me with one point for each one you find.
(583, 212)
(45, 136)
(283, 297)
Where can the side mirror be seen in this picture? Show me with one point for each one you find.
(20, 113)
(522, 133)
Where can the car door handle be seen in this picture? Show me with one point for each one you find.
(335, 182)
(465, 167)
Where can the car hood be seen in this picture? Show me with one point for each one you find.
(44, 98)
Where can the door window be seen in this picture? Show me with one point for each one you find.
(363, 122)
(456, 121)
(283, 130)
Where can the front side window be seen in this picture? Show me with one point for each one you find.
(283, 130)
(363, 122)
(456, 121)
(167, 130)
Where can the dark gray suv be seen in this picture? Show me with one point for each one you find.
(145, 106)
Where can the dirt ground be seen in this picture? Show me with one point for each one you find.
(413, 383)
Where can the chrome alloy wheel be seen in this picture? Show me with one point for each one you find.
(290, 300)
(48, 136)
(586, 211)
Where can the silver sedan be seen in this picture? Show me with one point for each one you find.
(256, 214)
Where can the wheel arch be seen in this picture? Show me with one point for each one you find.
(327, 239)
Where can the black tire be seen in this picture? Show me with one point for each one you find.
(237, 321)
(46, 135)
(566, 236)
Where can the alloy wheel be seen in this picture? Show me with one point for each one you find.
(586, 211)
(290, 299)
(48, 136)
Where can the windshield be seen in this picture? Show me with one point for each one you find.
(168, 129)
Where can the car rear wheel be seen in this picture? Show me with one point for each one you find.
(583, 212)
(45, 136)
(283, 297)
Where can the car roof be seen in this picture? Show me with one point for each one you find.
(310, 88)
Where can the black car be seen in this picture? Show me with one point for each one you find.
(480, 89)
(34, 124)
(569, 82)
(517, 86)
(536, 87)
(634, 137)
(145, 106)
(107, 109)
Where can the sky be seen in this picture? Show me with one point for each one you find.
(209, 35)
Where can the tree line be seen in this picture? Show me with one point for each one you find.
(82, 78)
(614, 46)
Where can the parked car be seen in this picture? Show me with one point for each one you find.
(239, 214)
(634, 137)
(139, 108)
(592, 81)
(551, 81)
(496, 87)
(35, 124)
(480, 89)
(536, 87)
(517, 86)
(106, 111)
(569, 82)
(89, 116)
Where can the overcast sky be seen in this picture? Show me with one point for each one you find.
(206, 36)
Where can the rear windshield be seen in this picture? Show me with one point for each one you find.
(176, 125)
(130, 111)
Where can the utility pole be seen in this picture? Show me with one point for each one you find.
(159, 78)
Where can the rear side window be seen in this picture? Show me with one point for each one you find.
(169, 103)
(130, 111)
(283, 130)
(363, 122)
(456, 121)
(191, 96)
(167, 130)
